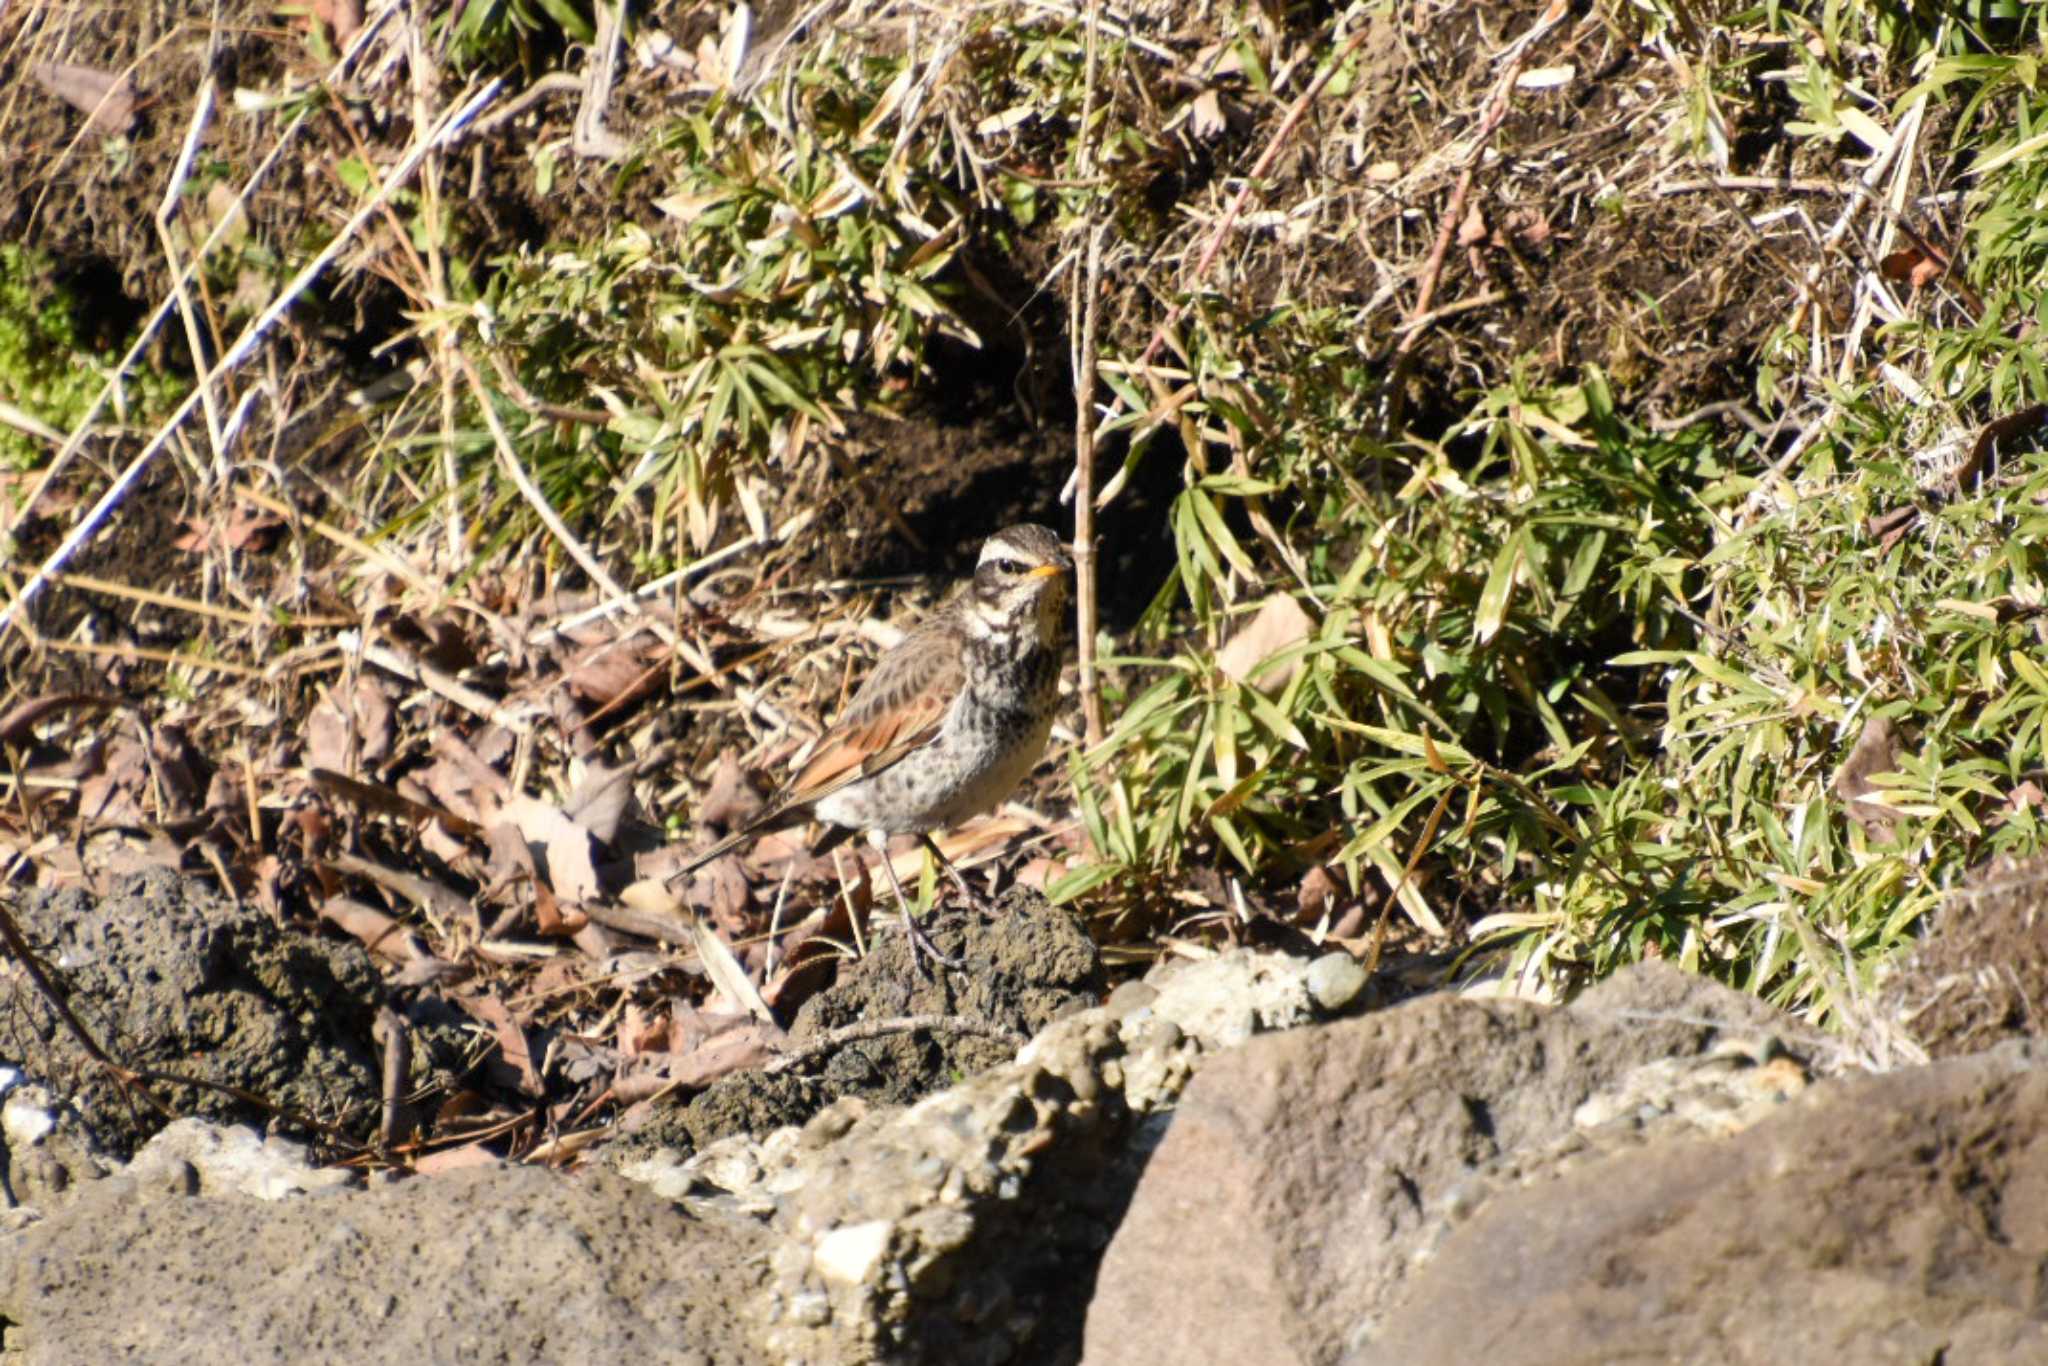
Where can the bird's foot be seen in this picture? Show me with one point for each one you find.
(924, 953)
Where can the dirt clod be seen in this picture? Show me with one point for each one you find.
(1024, 968)
(171, 980)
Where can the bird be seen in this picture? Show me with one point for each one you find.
(951, 719)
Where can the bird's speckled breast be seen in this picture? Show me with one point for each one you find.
(992, 737)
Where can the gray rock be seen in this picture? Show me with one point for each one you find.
(500, 1265)
(46, 1150)
(1224, 1000)
(1306, 1173)
(1899, 1218)
(1334, 981)
(233, 1160)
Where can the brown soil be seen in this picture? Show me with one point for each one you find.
(170, 979)
(1981, 976)
(1023, 969)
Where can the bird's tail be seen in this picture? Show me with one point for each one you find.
(773, 814)
(726, 845)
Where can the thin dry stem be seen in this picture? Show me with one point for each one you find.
(245, 346)
(1088, 288)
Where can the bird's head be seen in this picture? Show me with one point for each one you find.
(1022, 577)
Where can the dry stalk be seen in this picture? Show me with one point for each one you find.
(166, 210)
(1231, 213)
(162, 311)
(1497, 106)
(245, 346)
(1087, 289)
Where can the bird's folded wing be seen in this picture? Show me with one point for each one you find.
(899, 708)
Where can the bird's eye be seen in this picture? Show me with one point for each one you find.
(1009, 566)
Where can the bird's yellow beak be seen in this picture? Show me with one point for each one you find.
(1045, 571)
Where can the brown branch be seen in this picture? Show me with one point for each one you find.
(1088, 289)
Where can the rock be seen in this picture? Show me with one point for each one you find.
(1334, 981)
(512, 1264)
(1897, 1218)
(47, 1152)
(1306, 1172)
(965, 1228)
(233, 1160)
(1224, 1000)
(1651, 1173)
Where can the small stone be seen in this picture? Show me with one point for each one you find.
(1131, 997)
(850, 1255)
(1334, 981)
(810, 1309)
(27, 1117)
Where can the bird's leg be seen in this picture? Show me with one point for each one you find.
(921, 946)
(974, 898)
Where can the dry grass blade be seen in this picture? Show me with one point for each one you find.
(245, 346)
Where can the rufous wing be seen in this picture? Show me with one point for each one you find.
(898, 709)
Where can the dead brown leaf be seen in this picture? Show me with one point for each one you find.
(599, 802)
(108, 99)
(17, 721)
(743, 1045)
(1279, 623)
(387, 939)
(112, 795)
(562, 844)
(1997, 432)
(730, 801)
(1917, 265)
(354, 739)
(377, 797)
(513, 1050)
(344, 18)
(1876, 751)
(1473, 230)
(445, 1160)
(1318, 892)
(617, 672)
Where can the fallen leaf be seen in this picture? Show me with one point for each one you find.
(17, 721)
(563, 844)
(385, 937)
(1995, 433)
(598, 804)
(343, 17)
(1876, 751)
(1279, 623)
(464, 1158)
(513, 1050)
(730, 801)
(1473, 230)
(108, 99)
(1914, 265)
(111, 795)
(617, 671)
(1318, 891)
(351, 740)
